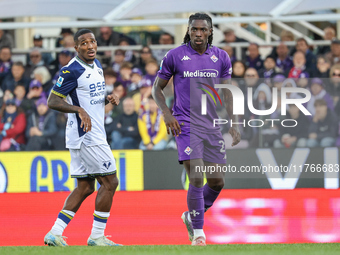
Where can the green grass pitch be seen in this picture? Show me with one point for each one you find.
(231, 249)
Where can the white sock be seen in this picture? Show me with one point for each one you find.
(99, 224)
(64, 218)
(198, 233)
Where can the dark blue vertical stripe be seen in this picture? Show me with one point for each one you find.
(122, 171)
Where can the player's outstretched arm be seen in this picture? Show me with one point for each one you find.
(228, 100)
(170, 121)
(59, 104)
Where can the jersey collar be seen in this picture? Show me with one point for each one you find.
(81, 61)
(192, 51)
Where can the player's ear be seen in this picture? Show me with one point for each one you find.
(76, 46)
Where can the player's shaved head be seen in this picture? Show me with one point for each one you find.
(80, 33)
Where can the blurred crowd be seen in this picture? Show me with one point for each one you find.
(26, 122)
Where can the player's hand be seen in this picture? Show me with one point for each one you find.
(85, 120)
(235, 134)
(172, 124)
(113, 99)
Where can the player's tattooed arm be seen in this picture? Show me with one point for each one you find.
(228, 100)
(158, 95)
(59, 104)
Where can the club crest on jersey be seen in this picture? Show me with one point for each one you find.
(214, 58)
(107, 165)
(188, 150)
(100, 72)
(59, 81)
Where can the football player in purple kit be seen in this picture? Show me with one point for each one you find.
(200, 145)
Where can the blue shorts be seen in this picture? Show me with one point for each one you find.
(193, 144)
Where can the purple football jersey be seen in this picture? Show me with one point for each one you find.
(195, 75)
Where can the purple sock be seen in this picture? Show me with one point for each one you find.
(195, 202)
(210, 196)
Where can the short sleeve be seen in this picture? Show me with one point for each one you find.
(66, 82)
(166, 70)
(227, 67)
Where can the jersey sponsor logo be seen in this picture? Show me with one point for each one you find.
(230, 70)
(88, 76)
(100, 101)
(59, 81)
(214, 58)
(188, 150)
(185, 58)
(201, 73)
(66, 71)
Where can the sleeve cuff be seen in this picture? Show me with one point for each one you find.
(57, 93)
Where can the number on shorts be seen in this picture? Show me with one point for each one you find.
(222, 146)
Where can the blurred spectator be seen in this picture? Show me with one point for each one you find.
(119, 57)
(285, 36)
(108, 37)
(145, 56)
(16, 76)
(277, 82)
(333, 87)
(58, 140)
(109, 123)
(68, 42)
(151, 69)
(7, 95)
(5, 62)
(125, 74)
(322, 67)
(20, 99)
(110, 77)
(164, 39)
(239, 69)
(64, 57)
(35, 91)
(35, 61)
(334, 55)
(329, 35)
(324, 127)
(302, 45)
(290, 83)
(293, 137)
(251, 78)
(318, 92)
(6, 39)
(230, 37)
(268, 133)
(283, 59)
(254, 59)
(299, 69)
(41, 127)
(129, 56)
(42, 75)
(64, 32)
(38, 43)
(230, 52)
(126, 134)
(152, 128)
(12, 127)
(141, 98)
(269, 70)
(136, 81)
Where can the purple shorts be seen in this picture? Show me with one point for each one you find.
(193, 144)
